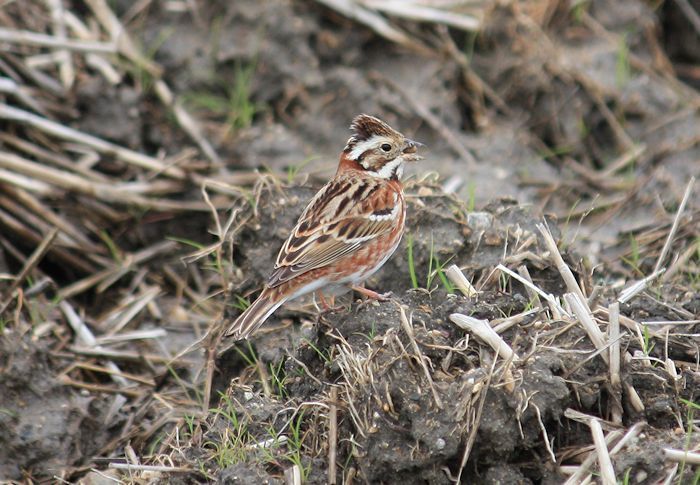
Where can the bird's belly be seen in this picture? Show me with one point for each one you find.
(326, 285)
(351, 270)
(374, 264)
(310, 287)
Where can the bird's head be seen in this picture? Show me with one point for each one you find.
(379, 149)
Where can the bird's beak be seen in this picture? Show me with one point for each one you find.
(409, 150)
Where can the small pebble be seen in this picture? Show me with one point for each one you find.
(479, 221)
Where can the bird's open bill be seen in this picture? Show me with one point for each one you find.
(410, 148)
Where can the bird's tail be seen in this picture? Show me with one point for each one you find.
(254, 316)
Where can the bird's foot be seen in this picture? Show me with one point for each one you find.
(373, 295)
(327, 305)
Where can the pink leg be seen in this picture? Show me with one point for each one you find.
(372, 294)
(324, 303)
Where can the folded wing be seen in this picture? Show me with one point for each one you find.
(345, 215)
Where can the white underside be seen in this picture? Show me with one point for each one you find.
(310, 288)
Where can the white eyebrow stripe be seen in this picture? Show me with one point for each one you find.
(363, 146)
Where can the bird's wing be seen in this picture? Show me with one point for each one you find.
(344, 215)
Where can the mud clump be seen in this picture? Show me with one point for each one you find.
(415, 394)
(412, 387)
(241, 474)
(411, 427)
(46, 426)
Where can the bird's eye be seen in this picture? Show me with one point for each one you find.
(386, 147)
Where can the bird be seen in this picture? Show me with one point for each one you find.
(347, 231)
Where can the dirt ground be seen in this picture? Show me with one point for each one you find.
(148, 179)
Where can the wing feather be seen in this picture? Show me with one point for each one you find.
(331, 228)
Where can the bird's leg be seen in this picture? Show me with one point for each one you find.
(372, 294)
(324, 303)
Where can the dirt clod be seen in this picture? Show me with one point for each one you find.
(47, 426)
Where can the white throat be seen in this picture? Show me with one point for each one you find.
(387, 171)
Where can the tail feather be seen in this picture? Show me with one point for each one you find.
(254, 316)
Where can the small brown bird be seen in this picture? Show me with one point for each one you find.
(349, 229)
